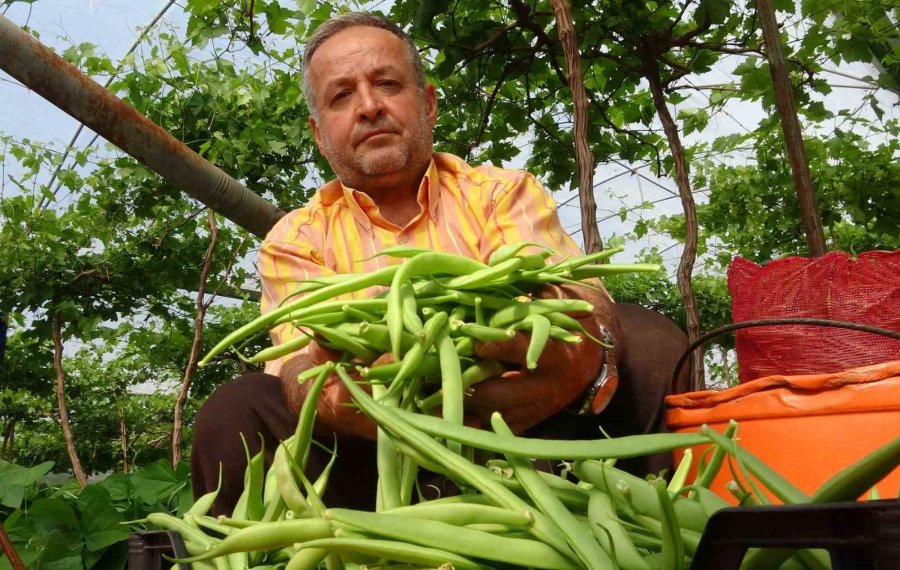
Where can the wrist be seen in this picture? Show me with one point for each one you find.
(603, 387)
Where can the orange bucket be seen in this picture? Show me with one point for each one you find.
(807, 427)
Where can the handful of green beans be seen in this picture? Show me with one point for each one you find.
(508, 514)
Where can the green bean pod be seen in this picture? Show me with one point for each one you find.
(622, 447)
(691, 514)
(672, 544)
(380, 277)
(424, 263)
(395, 551)
(429, 367)
(481, 370)
(460, 540)
(509, 250)
(462, 514)
(579, 537)
(377, 336)
(267, 537)
(358, 314)
(540, 333)
(451, 383)
(413, 358)
(340, 340)
(283, 349)
(485, 276)
(607, 269)
(307, 559)
(602, 514)
(483, 333)
(705, 477)
(408, 310)
(518, 311)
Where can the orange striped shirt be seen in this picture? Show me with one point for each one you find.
(466, 210)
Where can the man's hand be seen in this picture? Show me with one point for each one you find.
(335, 410)
(563, 374)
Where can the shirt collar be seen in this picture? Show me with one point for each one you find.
(364, 209)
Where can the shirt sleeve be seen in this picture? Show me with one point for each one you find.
(521, 209)
(287, 257)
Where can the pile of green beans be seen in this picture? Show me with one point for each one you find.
(508, 514)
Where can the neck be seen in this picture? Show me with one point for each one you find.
(398, 206)
(397, 197)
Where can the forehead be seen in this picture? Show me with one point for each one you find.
(360, 49)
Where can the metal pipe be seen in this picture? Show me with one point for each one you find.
(61, 83)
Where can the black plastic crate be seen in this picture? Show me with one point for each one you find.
(857, 536)
(146, 550)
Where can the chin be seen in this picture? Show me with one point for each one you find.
(383, 162)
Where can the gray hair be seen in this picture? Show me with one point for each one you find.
(356, 19)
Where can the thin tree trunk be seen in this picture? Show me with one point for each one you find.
(689, 254)
(10, 551)
(123, 436)
(584, 158)
(9, 435)
(195, 346)
(61, 400)
(790, 125)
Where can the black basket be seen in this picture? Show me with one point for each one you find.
(863, 535)
(146, 550)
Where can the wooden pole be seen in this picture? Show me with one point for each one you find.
(790, 124)
(584, 158)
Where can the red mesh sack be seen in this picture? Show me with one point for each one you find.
(836, 286)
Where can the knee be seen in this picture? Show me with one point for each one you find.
(229, 412)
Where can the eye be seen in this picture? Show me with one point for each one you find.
(339, 97)
(389, 84)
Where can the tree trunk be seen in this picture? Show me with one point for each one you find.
(195, 346)
(790, 124)
(689, 253)
(9, 436)
(583, 156)
(61, 400)
(123, 436)
(9, 550)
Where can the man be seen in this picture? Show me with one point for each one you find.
(372, 115)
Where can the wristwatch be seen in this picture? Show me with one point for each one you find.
(602, 389)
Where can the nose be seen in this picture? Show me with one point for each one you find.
(369, 103)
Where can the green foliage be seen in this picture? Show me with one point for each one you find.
(64, 526)
(753, 210)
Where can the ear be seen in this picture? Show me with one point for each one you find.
(315, 131)
(431, 106)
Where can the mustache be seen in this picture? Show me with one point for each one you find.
(382, 124)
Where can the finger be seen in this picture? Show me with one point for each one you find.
(321, 354)
(524, 399)
(512, 350)
(337, 413)
(385, 358)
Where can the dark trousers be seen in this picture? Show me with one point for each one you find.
(253, 405)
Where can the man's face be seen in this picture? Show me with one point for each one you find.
(375, 124)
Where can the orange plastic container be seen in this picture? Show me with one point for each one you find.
(806, 427)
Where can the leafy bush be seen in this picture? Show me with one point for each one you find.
(64, 527)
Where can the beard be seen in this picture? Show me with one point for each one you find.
(355, 165)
